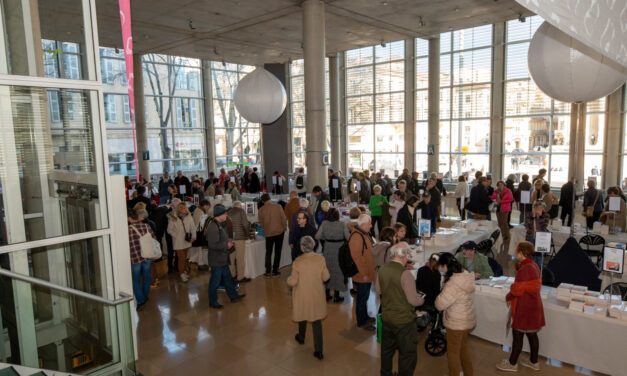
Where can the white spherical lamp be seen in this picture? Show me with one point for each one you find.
(569, 71)
(260, 97)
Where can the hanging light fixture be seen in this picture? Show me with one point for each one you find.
(569, 71)
(260, 97)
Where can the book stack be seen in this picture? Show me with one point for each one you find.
(616, 311)
(563, 292)
(576, 305)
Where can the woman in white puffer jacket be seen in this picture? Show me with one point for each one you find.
(457, 302)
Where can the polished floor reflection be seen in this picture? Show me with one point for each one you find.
(179, 335)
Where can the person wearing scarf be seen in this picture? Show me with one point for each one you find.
(527, 312)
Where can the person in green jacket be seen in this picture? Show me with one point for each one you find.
(474, 262)
(377, 200)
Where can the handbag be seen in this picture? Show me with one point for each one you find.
(150, 248)
(201, 240)
(588, 212)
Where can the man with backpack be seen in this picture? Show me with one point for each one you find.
(301, 187)
(360, 246)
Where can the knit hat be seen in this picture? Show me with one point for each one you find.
(218, 210)
(470, 245)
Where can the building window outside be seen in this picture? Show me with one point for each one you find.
(110, 108)
(61, 59)
(536, 128)
(237, 142)
(422, 104)
(53, 103)
(375, 101)
(465, 101)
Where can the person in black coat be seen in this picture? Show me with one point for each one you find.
(436, 196)
(567, 194)
(428, 281)
(407, 216)
(254, 184)
(479, 199)
(428, 210)
(180, 180)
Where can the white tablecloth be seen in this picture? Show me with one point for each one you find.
(430, 247)
(595, 343)
(256, 256)
(560, 237)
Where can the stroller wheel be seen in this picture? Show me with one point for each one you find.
(435, 345)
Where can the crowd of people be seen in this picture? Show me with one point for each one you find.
(376, 238)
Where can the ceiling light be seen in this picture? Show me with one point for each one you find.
(215, 50)
(191, 24)
(421, 23)
(521, 18)
(385, 3)
(383, 44)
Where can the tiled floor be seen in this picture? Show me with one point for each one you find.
(179, 335)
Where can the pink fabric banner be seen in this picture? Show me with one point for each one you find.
(127, 40)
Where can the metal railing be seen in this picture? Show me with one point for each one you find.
(124, 298)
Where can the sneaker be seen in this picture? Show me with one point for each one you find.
(528, 364)
(184, 277)
(506, 366)
(216, 306)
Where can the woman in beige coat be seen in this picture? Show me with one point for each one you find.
(457, 302)
(183, 231)
(309, 304)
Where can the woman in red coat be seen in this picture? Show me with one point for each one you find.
(504, 197)
(527, 313)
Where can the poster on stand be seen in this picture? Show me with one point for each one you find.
(424, 228)
(614, 204)
(525, 197)
(613, 260)
(543, 242)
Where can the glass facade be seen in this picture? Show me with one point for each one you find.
(237, 142)
(595, 141)
(465, 101)
(537, 128)
(422, 104)
(375, 108)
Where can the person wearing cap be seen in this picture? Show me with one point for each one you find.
(399, 299)
(272, 220)
(474, 262)
(241, 233)
(429, 281)
(218, 243)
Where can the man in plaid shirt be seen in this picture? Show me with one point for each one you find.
(140, 267)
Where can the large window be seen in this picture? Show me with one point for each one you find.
(297, 110)
(173, 114)
(375, 100)
(422, 104)
(237, 142)
(465, 101)
(61, 59)
(537, 129)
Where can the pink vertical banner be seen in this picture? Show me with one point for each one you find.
(127, 40)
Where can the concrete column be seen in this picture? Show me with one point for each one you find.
(611, 164)
(410, 104)
(141, 134)
(342, 110)
(207, 93)
(334, 106)
(498, 100)
(276, 135)
(581, 143)
(434, 102)
(572, 150)
(314, 50)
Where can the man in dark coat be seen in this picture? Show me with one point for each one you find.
(567, 194)
(479, 199)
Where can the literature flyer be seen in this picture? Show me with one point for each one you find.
(543, 242)
(613, 260)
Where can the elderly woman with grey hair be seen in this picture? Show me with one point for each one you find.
(309, 274)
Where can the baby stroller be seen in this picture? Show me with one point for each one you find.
(435, 344)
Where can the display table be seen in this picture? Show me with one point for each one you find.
(256, 256)
(560, 236)
(592, 342)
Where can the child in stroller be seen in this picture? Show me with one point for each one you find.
(428, 281)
